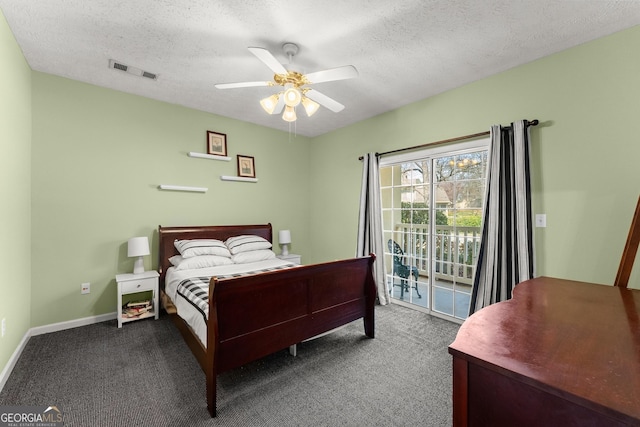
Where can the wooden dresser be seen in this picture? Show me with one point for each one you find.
(560, 353)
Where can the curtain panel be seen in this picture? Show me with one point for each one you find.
(506, 255)
(370, 238)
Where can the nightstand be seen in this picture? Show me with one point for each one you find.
(134, 283)
(296, 259)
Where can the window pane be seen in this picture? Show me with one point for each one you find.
(432, 210)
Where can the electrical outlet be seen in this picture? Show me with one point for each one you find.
(541, 220)
(85, 288)
(4, 326)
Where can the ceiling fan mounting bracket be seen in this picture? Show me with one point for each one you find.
(290, 50)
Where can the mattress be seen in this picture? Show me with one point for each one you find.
(191, 313)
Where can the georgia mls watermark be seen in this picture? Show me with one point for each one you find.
(30, 416)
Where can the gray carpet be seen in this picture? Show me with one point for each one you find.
(145, 375)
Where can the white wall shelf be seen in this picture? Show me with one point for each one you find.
(208, 156)
(182, 188)
(237, 178)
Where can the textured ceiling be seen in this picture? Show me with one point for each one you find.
(405, 50)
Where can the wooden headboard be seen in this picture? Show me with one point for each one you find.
(167, 235)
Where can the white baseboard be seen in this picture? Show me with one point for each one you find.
(39, 330)
(4, 375)
(61, 326)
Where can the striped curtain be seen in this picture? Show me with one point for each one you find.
(506, 255)
(370, 239)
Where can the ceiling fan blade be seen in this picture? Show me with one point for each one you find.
(332, 74)
(241, 84)
(324, 100)
(269, 60)
(279, 106)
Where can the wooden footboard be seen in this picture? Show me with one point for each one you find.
(253, 316)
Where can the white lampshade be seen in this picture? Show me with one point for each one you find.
(284, 238)
(138, 247)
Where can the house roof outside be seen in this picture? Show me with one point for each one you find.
(416, 196)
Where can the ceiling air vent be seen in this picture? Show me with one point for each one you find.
(119, 66)
(132, 70)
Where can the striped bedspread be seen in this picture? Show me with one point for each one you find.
(195, 290)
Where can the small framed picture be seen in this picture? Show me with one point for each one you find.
(216, 143)
(246, 166)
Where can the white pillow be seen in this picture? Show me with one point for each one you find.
(189, 248)
(253, 256)
(245, 243)
(176, 260)
(201, 261)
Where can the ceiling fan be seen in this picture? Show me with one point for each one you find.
(295, 85)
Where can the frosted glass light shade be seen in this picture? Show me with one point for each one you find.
(269, 103)
(289, 114)
(292, 96)
(310, 107)
(138, 247)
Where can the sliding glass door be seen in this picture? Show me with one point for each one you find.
(432, 205)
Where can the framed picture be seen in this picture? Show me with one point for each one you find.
(246, 166)
(216, 143)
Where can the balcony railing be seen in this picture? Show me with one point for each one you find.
(455, 250)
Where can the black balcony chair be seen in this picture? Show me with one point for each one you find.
(402, 270)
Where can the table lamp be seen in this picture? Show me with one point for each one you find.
(138, 247)
(284, 238)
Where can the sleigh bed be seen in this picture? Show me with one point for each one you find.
(254, 315)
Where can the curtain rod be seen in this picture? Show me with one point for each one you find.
(446, 141)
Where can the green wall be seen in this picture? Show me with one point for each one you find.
(98, 158)
(15, 190)
(585, 153)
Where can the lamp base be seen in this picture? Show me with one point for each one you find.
(285, 249)
(138, 267)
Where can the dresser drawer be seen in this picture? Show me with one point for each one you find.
(138, 285)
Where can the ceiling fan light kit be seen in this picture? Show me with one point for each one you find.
(269, 103)
(310, 107)
(289, 114)
(295, 85)
(292, 96)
